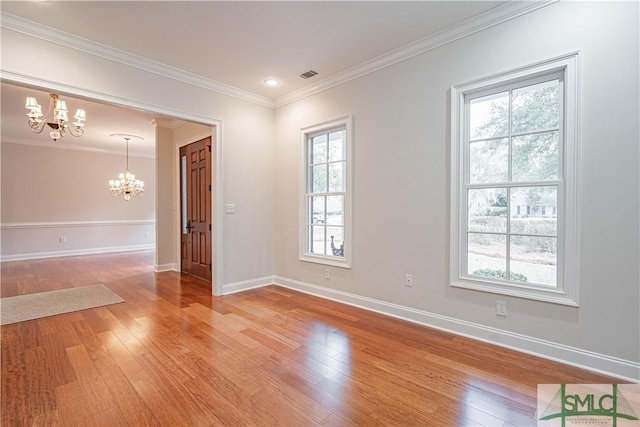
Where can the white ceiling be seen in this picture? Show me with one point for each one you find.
(237, 44)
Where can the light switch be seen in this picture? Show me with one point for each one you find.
(230, 208)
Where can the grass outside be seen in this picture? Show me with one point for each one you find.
(542, 274)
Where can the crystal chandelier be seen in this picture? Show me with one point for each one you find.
(59, 120)
(126, 184)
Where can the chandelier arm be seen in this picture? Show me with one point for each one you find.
(52, 106)
(74, 131)
(50, 110)
(36, 127)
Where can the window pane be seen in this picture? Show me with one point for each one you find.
(337, 235)
(489, 161)
(488, 210)
(516, 132)
(535, 157)
(536, 107)
(318, 212)
(317, 240)
(534, 210)
(319, 149)
(534, 259)
(183, 199)
(325, 197)
(337, 146)
(489, 116)
(319, 178)
(335, 210)
(336, 177)
(486, 255)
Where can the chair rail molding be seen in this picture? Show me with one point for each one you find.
(67, 224)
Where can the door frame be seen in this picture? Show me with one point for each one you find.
(153, 109)
(216, 201)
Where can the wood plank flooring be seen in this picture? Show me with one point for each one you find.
(173, 355)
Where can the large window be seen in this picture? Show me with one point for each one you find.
(513, 200)
(326, 201)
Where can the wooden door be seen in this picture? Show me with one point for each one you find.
(195, 173)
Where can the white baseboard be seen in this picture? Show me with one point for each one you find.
(76, 252)
(232, 288)
(158, 268)
(600, 363)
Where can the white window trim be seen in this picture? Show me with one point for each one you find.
(567, 292)
(345, 261)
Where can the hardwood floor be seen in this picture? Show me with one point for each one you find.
(173, 355)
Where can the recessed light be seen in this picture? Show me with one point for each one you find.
(271, 82)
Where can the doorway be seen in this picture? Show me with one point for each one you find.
(195, 209)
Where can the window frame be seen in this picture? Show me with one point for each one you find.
(566, 290)
(308, 132)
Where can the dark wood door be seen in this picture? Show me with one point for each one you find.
(195, 173)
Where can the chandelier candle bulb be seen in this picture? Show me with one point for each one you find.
(32, 103)
(62, 115)
(35, 110)
(80, 118)
(61, 105)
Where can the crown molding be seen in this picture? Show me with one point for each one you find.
(491, 18)
(33, 29)
(167, 123)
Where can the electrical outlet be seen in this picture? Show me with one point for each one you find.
(501, 308)
(146, 234)
(327, 273)
(408, 280)
(63, 239)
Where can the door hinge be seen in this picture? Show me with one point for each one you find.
(209, 147)
(209, 227)
(209, 266)
(209, 187)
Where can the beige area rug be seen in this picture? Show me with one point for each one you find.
(44, 304)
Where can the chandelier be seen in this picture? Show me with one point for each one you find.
(58, 121)
(126, 184)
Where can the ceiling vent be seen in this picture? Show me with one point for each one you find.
(307, 74)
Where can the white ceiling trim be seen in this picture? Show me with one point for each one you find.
(33, 29)
(478, 23)
(77, 146)
(481, 22)
(27, 80)
(167, 123)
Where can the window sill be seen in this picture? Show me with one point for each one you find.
(554, 296)
(325, 260)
